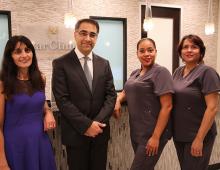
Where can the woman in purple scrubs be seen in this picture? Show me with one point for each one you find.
(148, 93)
(195, 105)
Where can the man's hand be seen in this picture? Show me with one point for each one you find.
(95, 129)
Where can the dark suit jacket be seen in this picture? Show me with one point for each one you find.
(77, 104)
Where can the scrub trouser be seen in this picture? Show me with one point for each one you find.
(142, 161)
(189, 162)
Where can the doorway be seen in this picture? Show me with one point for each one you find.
(166, 33)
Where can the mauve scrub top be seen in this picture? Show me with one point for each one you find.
(189, 101)
(143, 99)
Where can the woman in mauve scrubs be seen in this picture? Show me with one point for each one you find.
(148, 93)
(195, 105)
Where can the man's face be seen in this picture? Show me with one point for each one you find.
(86, 36)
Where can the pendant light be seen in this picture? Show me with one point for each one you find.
(69, 18)
(210, 26)
(148, 21)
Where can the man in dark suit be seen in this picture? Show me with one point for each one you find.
(83, 87)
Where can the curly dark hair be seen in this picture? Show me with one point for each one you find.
(9, 70)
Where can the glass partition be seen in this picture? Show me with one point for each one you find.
(112, 45)
(5, 31)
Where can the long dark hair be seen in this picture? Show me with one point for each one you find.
(9, 70)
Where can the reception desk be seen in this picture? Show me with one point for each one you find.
(120, 153)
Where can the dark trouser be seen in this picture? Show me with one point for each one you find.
(189, 162)
(90, 157)
(142, 161)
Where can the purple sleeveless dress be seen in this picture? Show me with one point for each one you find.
(27, 146)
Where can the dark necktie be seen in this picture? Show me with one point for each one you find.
(87, 72)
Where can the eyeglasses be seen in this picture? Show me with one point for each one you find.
(84, 33)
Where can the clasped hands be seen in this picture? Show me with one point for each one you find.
(95, 129)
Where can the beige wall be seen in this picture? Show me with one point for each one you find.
(51, 13)
(194, 14)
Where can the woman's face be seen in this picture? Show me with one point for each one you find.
(22, 56)
(190, 52)
(146, 53)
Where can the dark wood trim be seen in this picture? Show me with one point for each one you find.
(124, 20)
(166, 12)
(8, 13)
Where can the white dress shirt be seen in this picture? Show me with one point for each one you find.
(89, 61)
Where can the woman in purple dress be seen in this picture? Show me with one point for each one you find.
(148, 93)
(24, 115)
(196, 88)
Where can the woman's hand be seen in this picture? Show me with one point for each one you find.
(49, 121)
(119, 100)
(152, 146)
(117, 110)
(197, 147)
(4, 167)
